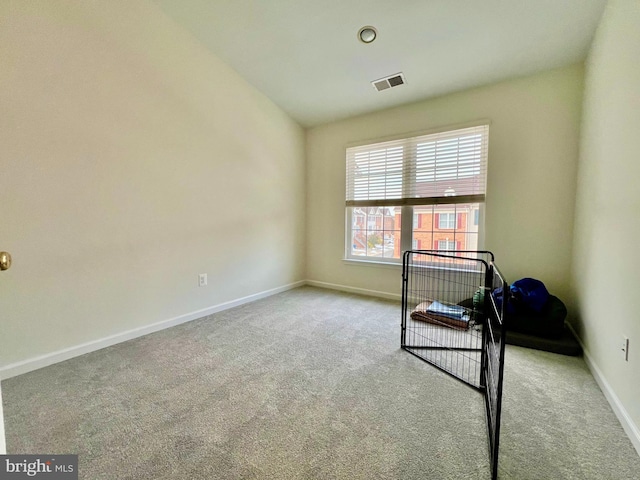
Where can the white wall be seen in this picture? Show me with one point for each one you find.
(606, 259)
(533, 150)
(133, 160)
(3, 445)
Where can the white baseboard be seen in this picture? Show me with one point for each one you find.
(360, 291)
(41, 361)
(630, 428)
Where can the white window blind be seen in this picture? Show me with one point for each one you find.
(447, 167)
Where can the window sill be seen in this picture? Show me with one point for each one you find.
(371, 263)
(395, 266)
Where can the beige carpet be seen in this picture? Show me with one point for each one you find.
(308, 384)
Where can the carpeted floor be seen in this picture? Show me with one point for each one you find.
(308, 384)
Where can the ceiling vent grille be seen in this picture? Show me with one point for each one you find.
(394, 80)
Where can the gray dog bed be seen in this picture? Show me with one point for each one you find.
(565, 344)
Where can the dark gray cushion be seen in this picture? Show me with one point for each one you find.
(548, 323)
(565, 344)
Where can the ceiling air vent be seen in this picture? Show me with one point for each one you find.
(388, 82)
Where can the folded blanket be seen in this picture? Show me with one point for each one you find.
(423, 313)
(456, 312)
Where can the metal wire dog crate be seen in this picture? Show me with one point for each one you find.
(494, 341)
(451, 319)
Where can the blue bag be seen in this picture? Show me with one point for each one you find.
(529, 293)
(526, 294)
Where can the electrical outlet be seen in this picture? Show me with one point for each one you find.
(625, 348)
(202, 280)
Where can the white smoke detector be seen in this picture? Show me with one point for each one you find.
(391, 81)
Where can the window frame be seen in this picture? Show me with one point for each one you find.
(406, 204)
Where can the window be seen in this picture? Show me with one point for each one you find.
(446, 220)
(403, 193)
(446, 245)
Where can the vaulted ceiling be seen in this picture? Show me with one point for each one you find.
(305, 55)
